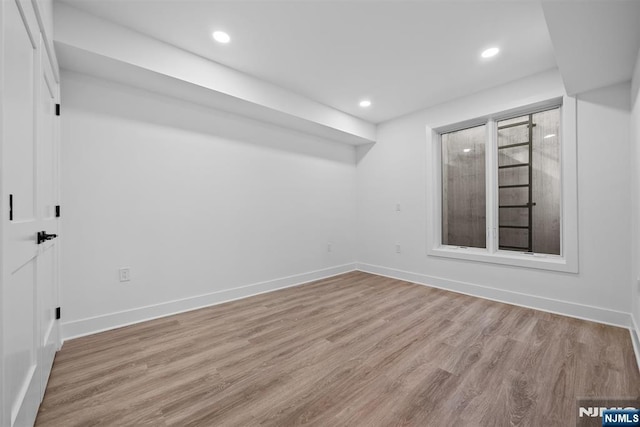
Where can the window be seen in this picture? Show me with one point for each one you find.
(463, 188)
(504, 188)
(529, 183)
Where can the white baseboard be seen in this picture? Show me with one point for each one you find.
(635, 339)
(565, 308)
(92, 325)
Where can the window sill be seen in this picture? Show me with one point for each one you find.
(514, 259)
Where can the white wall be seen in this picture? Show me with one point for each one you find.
(195, 201)
(635, 197)
(394, 171)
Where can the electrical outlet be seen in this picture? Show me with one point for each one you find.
(398, 208)
(329, 247)
(125, 274)
(398, 248)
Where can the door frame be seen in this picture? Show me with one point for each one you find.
(3, 211)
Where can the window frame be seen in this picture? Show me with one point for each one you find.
(567, 261)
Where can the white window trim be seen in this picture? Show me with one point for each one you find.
(568, 260)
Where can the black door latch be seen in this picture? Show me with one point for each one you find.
(43, 236)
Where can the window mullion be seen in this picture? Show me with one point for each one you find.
(492, 187)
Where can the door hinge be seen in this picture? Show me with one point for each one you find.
(57, 211)
(57, 109)
(58, 313)
(10, 207)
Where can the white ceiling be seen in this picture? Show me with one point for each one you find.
(402, 55)
(596, 43)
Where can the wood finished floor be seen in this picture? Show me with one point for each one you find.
(353, 350)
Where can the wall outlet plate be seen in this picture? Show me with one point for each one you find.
(124, 274)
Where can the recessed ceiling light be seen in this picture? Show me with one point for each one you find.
(365, 103)
(466, 150)
(492, 51)
(551, 135)
(221, 37)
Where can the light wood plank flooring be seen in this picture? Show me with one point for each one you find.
(353, 350)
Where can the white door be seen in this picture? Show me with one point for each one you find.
(30, 182)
